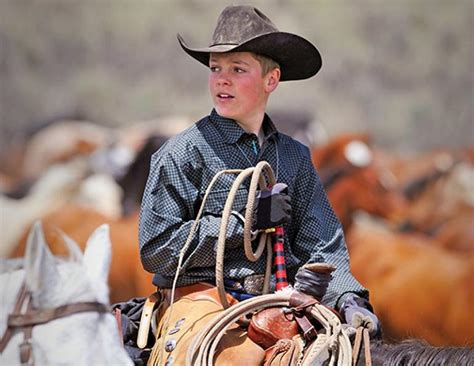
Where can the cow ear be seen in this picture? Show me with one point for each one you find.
(41, 272)
(97, 258)
(75, 253)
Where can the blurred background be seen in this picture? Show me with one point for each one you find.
(402, 70)
(89, 89)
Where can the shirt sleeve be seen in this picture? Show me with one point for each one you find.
(318, 235)
(167, 214)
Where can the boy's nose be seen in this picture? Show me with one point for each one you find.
(223, 78)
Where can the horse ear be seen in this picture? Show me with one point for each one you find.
(40, 265)
(97, 258)
(75, 253)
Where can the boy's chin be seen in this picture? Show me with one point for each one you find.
(223, 113)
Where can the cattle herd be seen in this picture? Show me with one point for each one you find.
(408, 220)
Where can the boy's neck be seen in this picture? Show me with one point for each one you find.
(252, 126)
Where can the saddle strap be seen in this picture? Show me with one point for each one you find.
(308, 330)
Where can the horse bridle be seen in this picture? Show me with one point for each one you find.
(31, 317)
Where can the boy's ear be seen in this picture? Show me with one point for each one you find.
(273, 79)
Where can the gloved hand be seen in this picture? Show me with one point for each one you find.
(272, 208)
(313, 283)
(358, 312)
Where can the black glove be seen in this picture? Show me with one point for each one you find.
(358, 312)
(313, 283)
(272, 208)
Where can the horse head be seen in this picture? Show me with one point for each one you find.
(61, 286)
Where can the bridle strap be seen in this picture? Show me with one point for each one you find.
(20, 299)
(27, 320)
(36, 317)
(25, 346)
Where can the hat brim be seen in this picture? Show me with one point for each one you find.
(298, 58)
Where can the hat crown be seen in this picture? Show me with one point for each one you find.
(238, 24)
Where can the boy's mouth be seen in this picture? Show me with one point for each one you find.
(224, 96)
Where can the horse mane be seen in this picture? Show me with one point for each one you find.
(418, 352)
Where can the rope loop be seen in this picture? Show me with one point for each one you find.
(262, 177)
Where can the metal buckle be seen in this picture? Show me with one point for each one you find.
(253, 284)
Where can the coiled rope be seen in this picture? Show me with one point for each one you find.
(336, 343)
(258, 179)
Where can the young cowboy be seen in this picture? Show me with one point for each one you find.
(247, 58)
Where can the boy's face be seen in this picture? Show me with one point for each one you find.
(238, 89)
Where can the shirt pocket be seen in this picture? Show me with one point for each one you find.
(217, 199)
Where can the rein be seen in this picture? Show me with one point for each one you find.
(26, 320)
(362, 334)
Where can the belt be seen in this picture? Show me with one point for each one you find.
(252, 285)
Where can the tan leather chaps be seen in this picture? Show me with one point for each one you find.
(193, 307)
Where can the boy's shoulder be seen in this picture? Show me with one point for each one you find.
(294, 146)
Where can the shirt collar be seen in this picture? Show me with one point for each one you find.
(232, 132)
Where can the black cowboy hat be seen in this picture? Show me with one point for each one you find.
(246, 29)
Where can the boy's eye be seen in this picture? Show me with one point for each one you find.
(239, 70)
(214, 68)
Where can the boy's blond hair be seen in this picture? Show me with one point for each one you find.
(266, 63)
